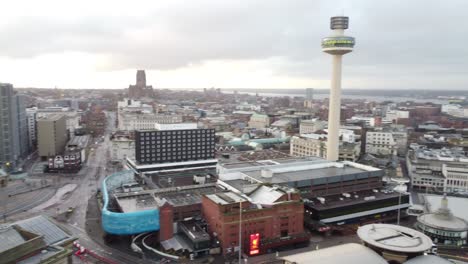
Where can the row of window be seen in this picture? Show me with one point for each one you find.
(177, 132)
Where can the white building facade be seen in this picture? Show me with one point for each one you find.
(311, 126)
(259, 121)
(133, 121)
(440, 169)
(122, 148)
(386, 142)
(315, 145)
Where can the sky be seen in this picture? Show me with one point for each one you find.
(400, 44)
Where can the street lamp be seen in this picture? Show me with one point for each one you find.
(401, 182)
(240, 230)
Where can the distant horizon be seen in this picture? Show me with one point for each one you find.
(247, 88)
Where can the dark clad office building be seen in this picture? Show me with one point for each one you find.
(165, 146)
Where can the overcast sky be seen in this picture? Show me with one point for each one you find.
(400, 44)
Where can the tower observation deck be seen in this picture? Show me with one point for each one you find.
(337, 45)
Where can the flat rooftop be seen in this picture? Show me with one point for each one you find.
(296, 170)
(394, 238)
(189, 196)
(249, 156)
(78, 141)
(257, 163)
(338, 200)
(136, 203)
(176, 196)
(444, 154)
(193, 231)
(300, 175)
(226, 198)
(52, 117)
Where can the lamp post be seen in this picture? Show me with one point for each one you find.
(240, 231)
(401, 183)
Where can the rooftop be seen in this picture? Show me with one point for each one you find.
(10, 238)
(297, 170)
(258, 155)
(444, 154)
(78, 141)
(347, 253)
(226, 198)
(193, 231)
(52, 117)
(394, 238)
(333, 201)
(137, 203)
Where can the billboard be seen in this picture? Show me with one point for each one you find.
(254, 244)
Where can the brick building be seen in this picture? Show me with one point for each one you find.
(271, 217)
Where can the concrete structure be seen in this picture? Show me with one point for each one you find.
(73, 157)
(309, 94)
(22, 120)
(140, 89)
(395, 243)
(123, 147)
(314, 145)
(455, 110)
(52, 135)
(31, 114)
(311, 126)
(394, 115)
(133, 106)
(368, 121)
(441, 169)
(443, 227)
(14, 141)
(386, 142)
(337, 45)
(259, 121)
(134, 121)
(271, 217)
(325, 186)
(73, 117)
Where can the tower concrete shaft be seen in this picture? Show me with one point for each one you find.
(334, 110)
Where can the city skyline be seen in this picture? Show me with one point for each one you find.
(243, 44)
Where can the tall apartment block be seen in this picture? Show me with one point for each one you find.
(52, 135)
(13, 126)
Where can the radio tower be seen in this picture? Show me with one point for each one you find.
(336, 45)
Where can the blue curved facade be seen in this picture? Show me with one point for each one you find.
(125, 223)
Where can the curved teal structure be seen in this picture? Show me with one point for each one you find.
(131, 223)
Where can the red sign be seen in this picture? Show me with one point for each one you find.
(254, 244)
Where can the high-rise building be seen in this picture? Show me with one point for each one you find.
(337, 45)
(13, 126)
(309, 94)
(52, 135)
(174, 143)
(22, 120)
(31, 114)
(140, 89)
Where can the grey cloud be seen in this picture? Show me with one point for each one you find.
(393, 37)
